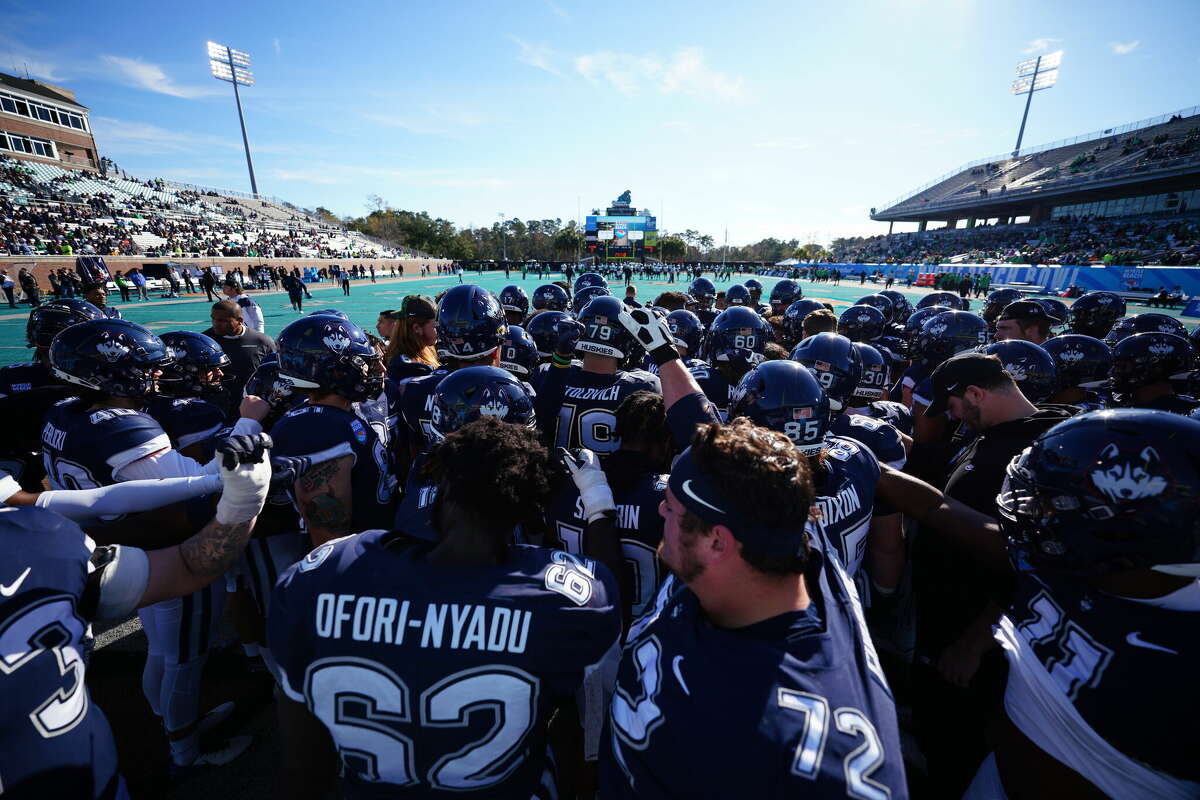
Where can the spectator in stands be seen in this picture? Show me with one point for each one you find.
(6, 283)
(244, 347)
(251, 313)
(139, 282)
(122, 285)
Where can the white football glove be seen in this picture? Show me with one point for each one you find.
(651, 332)
(245, 477)
(591, 482)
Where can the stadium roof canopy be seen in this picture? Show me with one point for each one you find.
(46, 90)
(1146, 157)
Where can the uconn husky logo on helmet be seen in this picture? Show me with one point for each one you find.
(493, 404)
(113, 347)
(1017, 371)
(1071, 356)
(1162, 348)
(336, 338)
(938, 328)
(864, 318)
(1121, 478)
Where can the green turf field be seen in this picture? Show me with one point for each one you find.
(366, 300)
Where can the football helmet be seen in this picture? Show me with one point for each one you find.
(1095, 312)
(469, 393)
(518, 352)
(513, 298)
(1146, 358)
(550, 297)
(902, 309)
(834, 362)
(470, 323)
(1104, 491)
(879, 301)
(331, 354)
(114, 356)
(603, 334)
(703, 292)
(585, 295)
(785, 397)
(861, 323)
(194, 355)
(1079, 360)
(1029, 365)
(46, 320)
(1144, 323)
(948, 299)
(738, 295)
(873, 382)
(793, 318)
(543, 329)
(912, 326)
(754, 285)
(997, 301)
(1055, 308)
(589, 279)
(783, 294)
(948, 333)
(277, 391)
(737, 336)
(687, 331)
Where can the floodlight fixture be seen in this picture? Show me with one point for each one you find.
(233, 66)
(1034, 75)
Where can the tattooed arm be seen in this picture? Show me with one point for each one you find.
(325, 500)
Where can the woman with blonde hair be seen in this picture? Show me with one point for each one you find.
(412, 350)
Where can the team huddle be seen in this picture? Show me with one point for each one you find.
(573, 545)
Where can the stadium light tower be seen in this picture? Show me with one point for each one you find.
(1033, 75)
(233, 66)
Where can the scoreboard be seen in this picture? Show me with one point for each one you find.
(622, 233)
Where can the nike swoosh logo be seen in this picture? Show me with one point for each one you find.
(1136, 640)
(11, 589)
(675, 668)
(688, 491)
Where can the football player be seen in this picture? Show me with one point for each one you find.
(1030, 365)
(1081, 364)
(515, 303)
(942, 336)
(180, 407)
(917, 370)
(102, 437)
(996, 302)
(751, 597)
(1026, 320)
(44, 322)
(342, 428)
(792, 324)
(1094, 313)
(54, 741)
(755, 287)
(735, 344)
(465, 645)
(550, 297)
(1142, 368)
(576, 402)
(634, 475)
(519, 353)
(705, 294)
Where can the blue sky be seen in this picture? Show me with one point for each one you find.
(785, 119)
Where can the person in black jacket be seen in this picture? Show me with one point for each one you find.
(208, 283)
(960, 673)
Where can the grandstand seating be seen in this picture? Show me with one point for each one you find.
(48, 210)
(1139, 150)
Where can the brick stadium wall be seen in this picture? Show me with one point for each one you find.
(42, 265)
(81, 142)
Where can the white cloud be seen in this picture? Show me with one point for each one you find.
(1124, 48)
(558, 10)
(538, 56)
(784, 143)
(684, 73)
(1041, 45)
(431, 120)
(144, 75)
(142, 138)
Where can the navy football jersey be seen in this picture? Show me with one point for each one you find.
(328, 433)
(878, 436)
(898, 415)
(85, 449)
(716, 388)
(23, 377)
(414, 513)
(1075, 655)
(793, 706)
(637, 491)
(585, 403)
(707, 315)
(402, 367)
(186, 420)
(416, 407)
(54, 741)
(916, 372)
(465, 662)
(845, 486)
